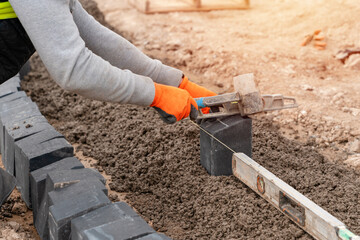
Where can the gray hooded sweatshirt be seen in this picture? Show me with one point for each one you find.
(87, 58)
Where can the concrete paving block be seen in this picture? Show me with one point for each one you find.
(61, 179)
(15, 110)
(61, 213)
(7, 184)
(102, 216)
(37, 151)
(10, 86)
(5, 91)
(63, 193)
(235, 132)
(115, 221)
(38, 179)
(7, 105)
(12, 81)
(13, 96)
(15, 117)
(19, 112)
(154, 236)
(18, 109)
(8, 108)
(18, 130)
(39, 138)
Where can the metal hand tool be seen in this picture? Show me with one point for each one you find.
(246, 100)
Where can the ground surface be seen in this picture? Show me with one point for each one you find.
(16, 220)
(155, 167)
(214, 47)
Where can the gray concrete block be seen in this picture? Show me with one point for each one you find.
(115, 221)
(58, 179)
(63, 192)
(154, 236)
(10, 86)
(37, 151)
(102, 216)
(13, 96)
(61, 213)
(7, 105)
(16, 117)
(18, 109)
(5, 91)
(235, 132)
(38, 179)
(7, 184)
(18, 104)
(64, 177)
(14, 81)
(18, 130)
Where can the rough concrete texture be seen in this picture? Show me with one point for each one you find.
(38, 179)
(235, 132)
(158, 167)
(115, 221)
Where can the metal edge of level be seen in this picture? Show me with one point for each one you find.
(305, 213)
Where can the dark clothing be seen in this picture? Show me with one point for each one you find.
(15, 47)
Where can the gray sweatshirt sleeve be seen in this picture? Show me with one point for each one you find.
(52, 30)
(118, 51)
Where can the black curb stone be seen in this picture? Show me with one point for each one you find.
(155, 236)
(62, 212)
(235, 132)
(13, 96)
(10, 86)
(31, 146)
(56, 179)
(107, 222)
(15, 109)
(18, 130)
(37, 151)
(38, 179)
(7, 184)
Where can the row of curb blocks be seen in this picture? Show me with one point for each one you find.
(68, 200)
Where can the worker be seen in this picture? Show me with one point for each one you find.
(86, 58)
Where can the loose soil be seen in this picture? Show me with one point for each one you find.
(16, 220)
(156, 166)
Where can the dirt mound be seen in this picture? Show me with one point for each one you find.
(157, 166)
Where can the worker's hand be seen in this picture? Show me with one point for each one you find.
(173, 104)
(196, 91)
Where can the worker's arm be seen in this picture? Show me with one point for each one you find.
(73, 66)
(120, 52)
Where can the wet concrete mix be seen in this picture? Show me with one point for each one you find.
(158, 167)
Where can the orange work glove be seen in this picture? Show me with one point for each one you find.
(196, 91)
(173, 104)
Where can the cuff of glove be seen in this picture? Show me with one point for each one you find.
(157, 97)
(184, 82)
